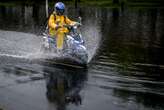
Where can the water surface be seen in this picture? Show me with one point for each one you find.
(126, 61)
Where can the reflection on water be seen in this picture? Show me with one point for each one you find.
(125, 74)
(64, 86)
(135, 36)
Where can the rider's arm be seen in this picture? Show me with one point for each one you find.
(51, 22)
(70, 22)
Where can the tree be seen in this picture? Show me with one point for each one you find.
(76, 3)
(115, 1)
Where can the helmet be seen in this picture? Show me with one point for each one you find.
(59, 8)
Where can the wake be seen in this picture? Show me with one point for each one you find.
(27, 46)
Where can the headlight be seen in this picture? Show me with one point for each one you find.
(75, 27)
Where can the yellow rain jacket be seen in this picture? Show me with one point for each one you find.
(55, 20)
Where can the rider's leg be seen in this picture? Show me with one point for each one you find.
(60, 40)
(52, 41)
(60, 34)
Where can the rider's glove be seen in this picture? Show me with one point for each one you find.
(57, 27)
(78, 24)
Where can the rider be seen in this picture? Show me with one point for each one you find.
(57, 24)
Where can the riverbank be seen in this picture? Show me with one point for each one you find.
(128, 3)
(99, 3)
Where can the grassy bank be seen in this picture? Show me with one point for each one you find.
(100, 3)
(128, 3)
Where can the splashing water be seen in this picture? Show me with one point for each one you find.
(27, 46)
(92, 36)
(18, 44)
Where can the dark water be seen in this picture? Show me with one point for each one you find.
(125, 70)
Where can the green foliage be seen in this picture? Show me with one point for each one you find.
(101, 3)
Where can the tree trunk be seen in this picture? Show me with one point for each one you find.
(47, 8)
(76, 3)
(115, 1)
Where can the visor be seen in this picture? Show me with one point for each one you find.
(60, 11)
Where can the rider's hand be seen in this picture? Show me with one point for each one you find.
(78, 24)
(65, 25)
(57, 27)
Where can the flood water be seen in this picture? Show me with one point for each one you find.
(125, 70)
